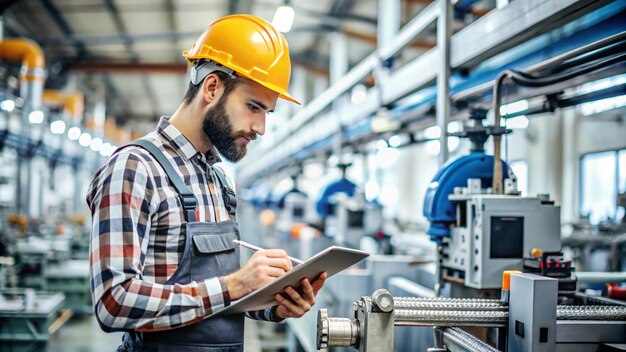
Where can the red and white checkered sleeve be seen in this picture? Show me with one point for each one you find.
(122, 198)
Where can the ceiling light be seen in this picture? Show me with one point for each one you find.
(371, 190)
(36, 116)
(57, 127)
(358, 94)
(514, 107)
(105, 150)
(386, 157)
(519, 122)
(283, 18)
(453, 143)
(73, 133)
(395, 141)
(433, 132)
(95, 144)
(84, 139)
(7, 105)
(432, 147)
(381, 144)
(382, 121)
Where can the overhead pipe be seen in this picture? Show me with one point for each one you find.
(32, 74)
(73, 102)
(32, 79)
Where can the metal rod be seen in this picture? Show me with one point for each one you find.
(464, 341)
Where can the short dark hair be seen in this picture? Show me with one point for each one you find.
(229, 85)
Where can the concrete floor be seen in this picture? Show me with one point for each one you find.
(83, 334)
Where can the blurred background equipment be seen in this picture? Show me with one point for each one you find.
(453, 140)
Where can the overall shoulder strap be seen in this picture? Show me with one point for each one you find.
(230, 198)
(189, 200)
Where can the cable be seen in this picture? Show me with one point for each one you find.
(527, 80)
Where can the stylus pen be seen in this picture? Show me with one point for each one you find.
(255, 248)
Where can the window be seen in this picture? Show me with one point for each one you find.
(520, 169)
(602, 176)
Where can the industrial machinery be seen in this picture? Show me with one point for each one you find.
(531, 320)
(348, 215)
(480, 234)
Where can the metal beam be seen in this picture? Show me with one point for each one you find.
(121, 29)
(444, 30)
(417, 43)
(171, 18)
(514, 24)
(62, 23)
(238, 6)
(535, 15)
(96, 66)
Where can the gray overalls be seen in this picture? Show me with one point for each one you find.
(209, 252)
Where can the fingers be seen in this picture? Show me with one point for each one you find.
(281, 263)
(277, 258)
(295, 304)
(307, 289)
(319, 282)
(274, 272)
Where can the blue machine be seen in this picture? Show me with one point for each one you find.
(438, 209)
(325, 205)
(278, 199)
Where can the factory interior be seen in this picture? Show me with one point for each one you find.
(470, 154)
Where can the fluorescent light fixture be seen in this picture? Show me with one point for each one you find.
(371, 190)
(432, 147)
(455, 126)
(453, 143)
(514, 107)
(386, 157)
(432, 132)
(599, 106)
(358, 94)
(73, 133)
(381, 144)
(96, 144)
(601, 84)
(595, 107)
(105, 150)
(518, 122)
(36, 117)
(283, 18)
(383, 122)
(57, 127)
(7, 105)
(84, 139)
(395, 141)
(313, 170)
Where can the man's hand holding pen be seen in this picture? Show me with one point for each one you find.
(266, 265)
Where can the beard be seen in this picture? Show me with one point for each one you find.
(220, 131)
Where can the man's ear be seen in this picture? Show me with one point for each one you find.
(211, 88)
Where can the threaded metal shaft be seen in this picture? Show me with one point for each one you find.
(450, 305)
(449, 317)
(591, 313)
(464, 341)
(445, 299)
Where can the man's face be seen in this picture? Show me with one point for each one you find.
(238, 118)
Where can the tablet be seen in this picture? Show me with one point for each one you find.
(331, 260)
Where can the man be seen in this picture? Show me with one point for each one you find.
(163, 218)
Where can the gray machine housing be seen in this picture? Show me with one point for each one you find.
(356, 218)
(494, 232)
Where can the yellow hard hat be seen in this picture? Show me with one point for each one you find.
(251, 47)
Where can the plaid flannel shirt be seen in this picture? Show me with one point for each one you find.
(138, 237)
